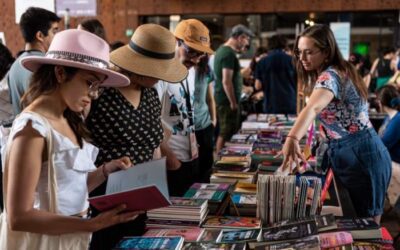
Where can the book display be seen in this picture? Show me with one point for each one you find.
(250, 204)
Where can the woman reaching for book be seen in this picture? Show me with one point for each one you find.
(49, 166)
(339, 100)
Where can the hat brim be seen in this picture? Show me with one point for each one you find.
(170, 70)
(198, 47)
(113, 79)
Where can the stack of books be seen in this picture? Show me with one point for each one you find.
(217, 195)
(231, 222)
(183, 212)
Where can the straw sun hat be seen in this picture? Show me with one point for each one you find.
(79, 49)
(151, 52)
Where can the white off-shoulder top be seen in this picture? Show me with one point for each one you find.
(72, 165)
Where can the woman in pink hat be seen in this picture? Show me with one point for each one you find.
(49, 167)
(126, 120)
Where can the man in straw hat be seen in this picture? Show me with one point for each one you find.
(193, 42)
(127, 120)
(228, 82)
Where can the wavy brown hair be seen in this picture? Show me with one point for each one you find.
(44, 82)
(324, 39)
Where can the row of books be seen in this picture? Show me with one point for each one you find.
(287, 197)
(312, 233)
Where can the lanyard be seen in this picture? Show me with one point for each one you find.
(187, 98)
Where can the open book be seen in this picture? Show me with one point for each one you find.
(142, 187)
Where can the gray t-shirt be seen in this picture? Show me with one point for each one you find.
(19, 78)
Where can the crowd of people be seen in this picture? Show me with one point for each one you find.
(82, 109)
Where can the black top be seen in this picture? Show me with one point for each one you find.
(119, 129)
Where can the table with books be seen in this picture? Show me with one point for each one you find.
(248, 206)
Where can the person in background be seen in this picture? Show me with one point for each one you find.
(93, 26)
(389, 98)
(116, 45)
(60, 88)
(180, 144)
(228, 82)
(248, 73)
(339, 99)
(205, 117)
(384, 67)
(6, 112)
(126, 120)
(276, 76)
(38, 27)
(358, 61)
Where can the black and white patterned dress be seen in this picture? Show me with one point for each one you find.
(119, 129)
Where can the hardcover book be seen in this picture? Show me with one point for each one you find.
(141, 188)
(335, 239)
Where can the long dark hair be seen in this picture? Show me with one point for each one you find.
(389, 96)
(324, 39)
(202, 67)
(44, 82)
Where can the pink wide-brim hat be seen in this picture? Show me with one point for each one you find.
(79, 49)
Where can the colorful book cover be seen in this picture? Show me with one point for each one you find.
(189, 233)
(213, 246)
(205, 194)
(138, 243)
(309, 243)
(232, 236)
(231, 222)
(211, 186)
(186, 202)
(244, 199)
(335, 239)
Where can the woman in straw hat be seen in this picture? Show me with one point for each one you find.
(126, 120)
(49, 164)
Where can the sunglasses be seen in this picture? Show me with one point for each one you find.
(191, 53)
(94, 88)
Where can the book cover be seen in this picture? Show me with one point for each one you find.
(211, 186)
(209, 235)
(335, 239)
(138, 243)
(360, 228)
(244, 199)
(139, 199)
(205, 194)
(290, 231)
(189, 233)
(187, 203)
(213, 246)
(231, 222)
(325, 222)
(309, 243)
(234, 236)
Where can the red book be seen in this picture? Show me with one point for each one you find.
(328, 180)
(138, 199)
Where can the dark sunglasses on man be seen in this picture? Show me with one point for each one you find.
(192, 53)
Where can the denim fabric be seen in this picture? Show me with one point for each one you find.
(362, 163)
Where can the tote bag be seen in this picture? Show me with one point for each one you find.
(17, 240)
